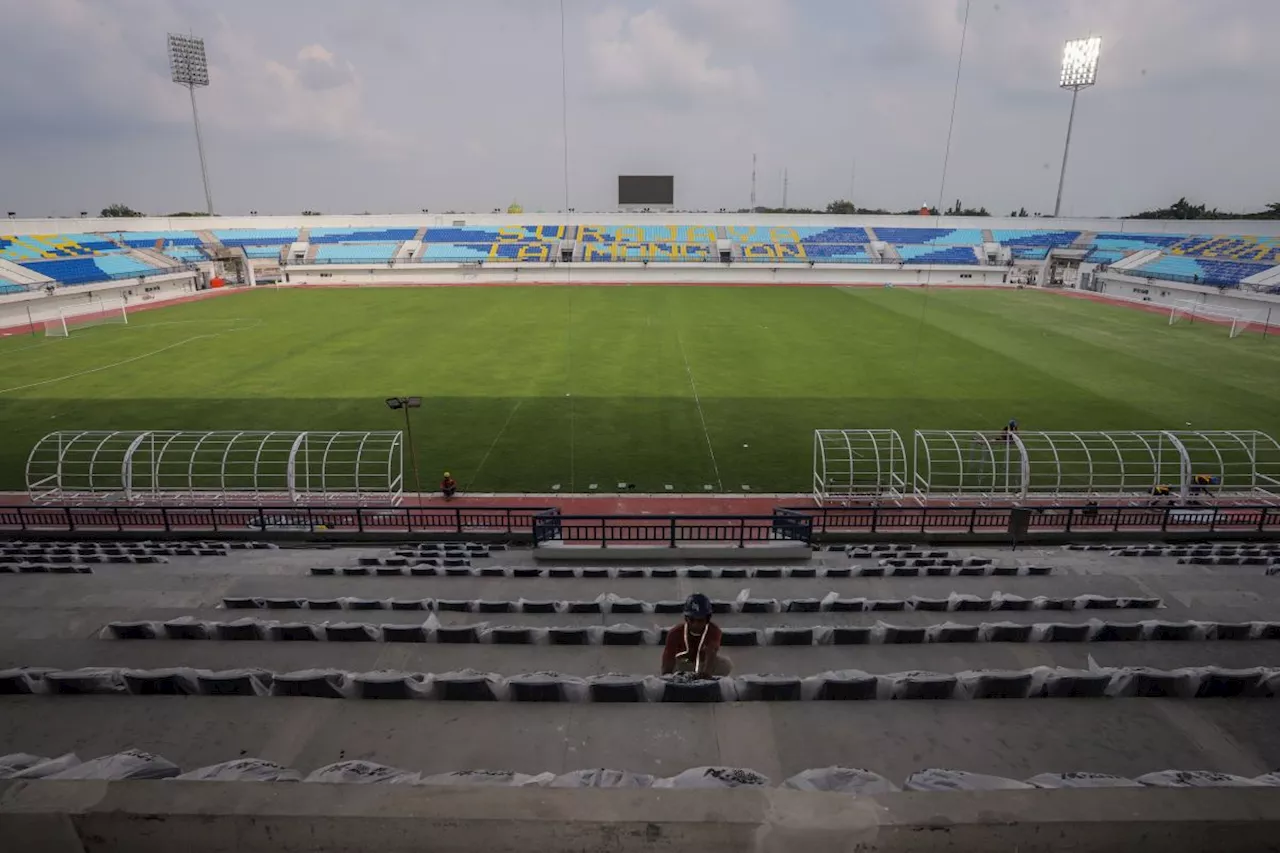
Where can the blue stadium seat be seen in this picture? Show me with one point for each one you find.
(934, 255)
(494, 234)
(30, 247)
(494, 251)
(186, 254)
(1135, 242)
(354, 253)
(643, 251)
(841, 235)
(147, 239)
(1200, 270)
(647, 234)
(775, 234)
(233, 237)
(1230, 248)
(1029, 237)
(1103, 256)
(95, 268)
(9, 287)
(931, 236)
(832, 253)
(361, 235)
(1026, 253)
(262, 252)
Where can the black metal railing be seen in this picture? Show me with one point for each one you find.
(606, 530)
(797, 523)
(1084, 519)
(461, 519)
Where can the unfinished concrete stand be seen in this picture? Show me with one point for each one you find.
(248, 817)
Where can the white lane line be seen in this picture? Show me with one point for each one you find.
(476, 474)
(697, 401)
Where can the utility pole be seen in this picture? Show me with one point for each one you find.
(784, 188)
(753, 183)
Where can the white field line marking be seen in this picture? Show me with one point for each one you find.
(62, 342)
(697, 401)
(120, 363)
(476, 474)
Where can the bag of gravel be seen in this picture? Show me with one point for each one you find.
(959, 780)
(361, 773)
(843, 780)
(130, 764)
(713, 777)
(244, 770)
(601, 778)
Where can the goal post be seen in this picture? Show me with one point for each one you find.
(1237, 319)
(68, 320)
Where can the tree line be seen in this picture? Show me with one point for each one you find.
(1180, 209)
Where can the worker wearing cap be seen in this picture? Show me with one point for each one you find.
(448, 486)
(694, 645)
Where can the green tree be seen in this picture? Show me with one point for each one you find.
(117, 210)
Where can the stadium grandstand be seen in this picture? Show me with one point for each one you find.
(1243, 263)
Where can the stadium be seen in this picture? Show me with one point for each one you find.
(745, 521)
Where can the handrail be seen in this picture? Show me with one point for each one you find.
(120, 518)
(671, 530)
(548, 524)
(1044, 519)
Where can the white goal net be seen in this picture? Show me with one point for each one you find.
(98, 314)
(1238, 319)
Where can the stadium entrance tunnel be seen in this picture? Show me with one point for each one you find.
(174, 467)
(1053, 467)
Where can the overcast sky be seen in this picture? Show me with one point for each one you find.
(397, 105)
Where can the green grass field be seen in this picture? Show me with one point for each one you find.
(528, 387)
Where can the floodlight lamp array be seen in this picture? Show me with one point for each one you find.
(1080, 62)
(187, 61)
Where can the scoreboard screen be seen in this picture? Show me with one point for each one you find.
(646, 189)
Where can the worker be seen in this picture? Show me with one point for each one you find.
(1201, 484)
(1010, 430)
(448, 486)
(694, 645)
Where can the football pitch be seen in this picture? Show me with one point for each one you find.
(530, 388)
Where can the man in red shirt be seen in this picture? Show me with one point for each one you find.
(694, 645)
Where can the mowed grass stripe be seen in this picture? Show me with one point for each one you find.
(771, 365)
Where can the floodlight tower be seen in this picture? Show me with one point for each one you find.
(1079, 71)
(189, 68)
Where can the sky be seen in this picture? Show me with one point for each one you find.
(392, 106)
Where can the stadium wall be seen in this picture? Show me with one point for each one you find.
(23, 312)
(199, 223)
(710, 273)
(1156, 292)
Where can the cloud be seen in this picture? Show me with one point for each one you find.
(646, 55)
(317, 69)
(765, 20)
